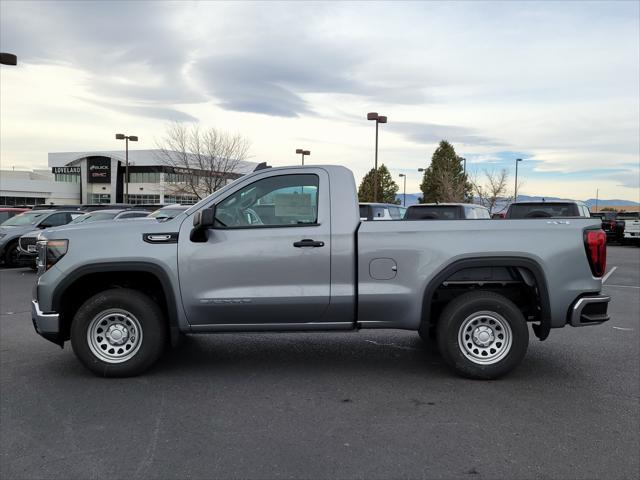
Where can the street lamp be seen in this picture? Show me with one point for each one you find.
(464, 169)
(404, 190)
(303, 153)
(133, 138)
(8, 59)
(378, 119)
(515, 195)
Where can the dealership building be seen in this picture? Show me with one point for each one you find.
(99, 177)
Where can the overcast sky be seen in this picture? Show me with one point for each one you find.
(554, 83)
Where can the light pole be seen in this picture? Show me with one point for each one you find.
(303, 153)
(378, 119)
(515, 195)
(126, 138)
(8, 59)
(597, 192)
(404, 190)
(464, 168)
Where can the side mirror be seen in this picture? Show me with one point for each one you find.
(204, 218)
(43, 226)
(202, 222)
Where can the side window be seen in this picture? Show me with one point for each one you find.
(470, 213)
(284, 200)
(55, 220)
(481, 213)
(394, 212)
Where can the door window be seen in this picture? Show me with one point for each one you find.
(55, 220)
(279, 201)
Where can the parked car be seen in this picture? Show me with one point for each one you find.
(314, 266)
(7, 212)
(110, 214)
(613, 226)
(169, 211)
(381, 211)
(631, 225)
(447, 211)
(547, 210)
(12, 229)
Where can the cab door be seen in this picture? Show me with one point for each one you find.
(267, 260)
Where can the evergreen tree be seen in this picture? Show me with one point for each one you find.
(387, 188)
(444, 180)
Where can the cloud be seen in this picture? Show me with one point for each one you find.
(162, 113)
(429, 133)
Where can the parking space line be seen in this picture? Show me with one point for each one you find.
(606, 277)
(622, 286)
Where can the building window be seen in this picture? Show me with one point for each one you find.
(100, 198)
(13, 201)
(182, 199)
(67, 177)
(180, 178)
(144, 199)
(144, 177)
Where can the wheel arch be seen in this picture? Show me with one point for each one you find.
(91, 279)
(530, 265)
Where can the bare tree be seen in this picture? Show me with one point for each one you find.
(201, 161)
(493, 190)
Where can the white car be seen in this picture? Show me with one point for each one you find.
(632, 225)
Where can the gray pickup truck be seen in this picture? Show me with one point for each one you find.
(283, 249)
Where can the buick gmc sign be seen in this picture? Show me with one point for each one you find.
(98, 170)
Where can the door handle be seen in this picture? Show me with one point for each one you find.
(307, 242)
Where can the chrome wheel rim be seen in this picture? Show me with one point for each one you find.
(485, 337)
(114, 335)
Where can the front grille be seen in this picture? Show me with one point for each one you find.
(26, 242)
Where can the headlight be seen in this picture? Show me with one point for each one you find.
(50, 252)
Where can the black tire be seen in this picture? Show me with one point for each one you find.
(428, 334)
(123, 305)
(500, 318)
(11, 255)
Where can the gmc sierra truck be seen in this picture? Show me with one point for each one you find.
(283, 249)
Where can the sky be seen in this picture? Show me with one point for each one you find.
(554, 83)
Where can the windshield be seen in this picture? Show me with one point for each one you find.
(165, 213)
(28, 218)
(94, 217)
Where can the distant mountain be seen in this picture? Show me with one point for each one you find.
(412, 199)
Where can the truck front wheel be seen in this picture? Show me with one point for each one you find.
(482, 335)
(118, 333)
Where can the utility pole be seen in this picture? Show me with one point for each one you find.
(515, 196)
(378, 119)
(133, 138)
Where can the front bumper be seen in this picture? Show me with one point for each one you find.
(590, 310)
(46, 324)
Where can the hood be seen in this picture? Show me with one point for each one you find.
(113, 228)
(18, 229)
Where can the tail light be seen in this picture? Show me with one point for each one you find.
(595, 244)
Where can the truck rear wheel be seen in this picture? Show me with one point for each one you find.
(482, 335)
(118, 333)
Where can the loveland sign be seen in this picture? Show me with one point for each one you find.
(66, 170)
(98, 170)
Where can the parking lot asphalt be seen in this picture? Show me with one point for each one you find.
(372, 404)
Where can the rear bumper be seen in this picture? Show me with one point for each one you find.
(590, 310)
(46, 324)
